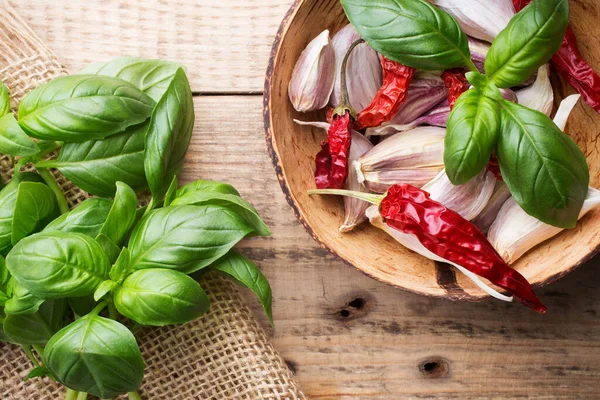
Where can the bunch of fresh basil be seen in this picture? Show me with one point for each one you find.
(67, 276)
(544, 169)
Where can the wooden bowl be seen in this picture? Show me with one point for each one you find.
(370, 250)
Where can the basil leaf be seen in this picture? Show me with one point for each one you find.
(160, 297)
(109, 247)
(58, 264)
(37, 328)
(122, 214)
(87, 218)
(13, 141)
(8, 199)
(171, 192)
(207, 186)
(3, 337)
(37, 372)
(22, 301)
(104, 288)
(122, 267)
(4, 100)
(246, 273)
(82, 305)
(471, 136)
(169, 134)
(150, 76)
(4, 274)
(544, 169)
(96, 166)
(95, 355)
(79, 108)
(185, 238)
(230, 201)
(35, 207)
(411, 32)
(528, 42)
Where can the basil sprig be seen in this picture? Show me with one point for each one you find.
(411, 32)
(544, 169)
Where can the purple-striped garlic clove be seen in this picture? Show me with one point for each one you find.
(313, 77)
(414, 157)
(363, 71)
(540, 95)
(479, 50)
(486, 217)
(481, 19)
(438, 116)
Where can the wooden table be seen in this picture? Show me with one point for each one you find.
(343, 334)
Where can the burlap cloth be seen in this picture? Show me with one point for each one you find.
(223, 355)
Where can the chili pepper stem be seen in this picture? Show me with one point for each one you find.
(60, 196)
(368, 197)
(344, 98)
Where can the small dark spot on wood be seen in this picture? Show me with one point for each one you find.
(356, 307)
(434, 368)
(344, 313)
(357, 303)
(292, 366)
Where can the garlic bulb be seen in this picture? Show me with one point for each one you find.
(313, 76)
(540, 95)
(363, 71)
(487, 216)
(413, 157)
(514, 232)
(411, 242)
(479, 18)
(468, 199)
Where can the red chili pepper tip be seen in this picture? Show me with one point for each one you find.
(453, 238)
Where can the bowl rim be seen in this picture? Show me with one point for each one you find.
(279, 170)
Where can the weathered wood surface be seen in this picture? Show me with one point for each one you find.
(388, 344)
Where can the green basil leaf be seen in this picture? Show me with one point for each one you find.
(58, 264)
(87, 218)
(35, 207)
(528, 42)
(3, 298)
(171, 192)
(4, 100)
(37, 328)
(3, 337)
(4, 274)
(411, 32)
(96, 166)
(13, 141)
(185, 238)
(230, 201)
(82, 305)
(122, 267)
(246, 273)
(8, 199)
(169, 134)
(207, 186)
(122, 214)
(36, 373)
(159, 297)
(95, 355)
(150, 76)
(79, 108)
(22, 301)
(544, 169)
(104, 288)
(110, 248)
(471, 136)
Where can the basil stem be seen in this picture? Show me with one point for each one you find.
(58, 192)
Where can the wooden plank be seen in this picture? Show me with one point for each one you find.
(491, 349)
(224, 43)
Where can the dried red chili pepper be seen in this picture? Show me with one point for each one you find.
(451, 237)
(446, 234)
(572, 67)
(389, 98)
(331, 163)
(457, 84)
(494, 167)
(329, 114)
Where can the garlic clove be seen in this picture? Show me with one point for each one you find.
(480, 19)
(479, 52)
(514, 232)
(411, 242)
(363, 72)
(540, 95)
(486, 217)
(314, 74)
(565, 109)
(414, 157)
(438, 116)
(468, 199)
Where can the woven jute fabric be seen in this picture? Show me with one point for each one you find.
(223, 355)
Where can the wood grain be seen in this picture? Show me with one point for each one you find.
(377, 349)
